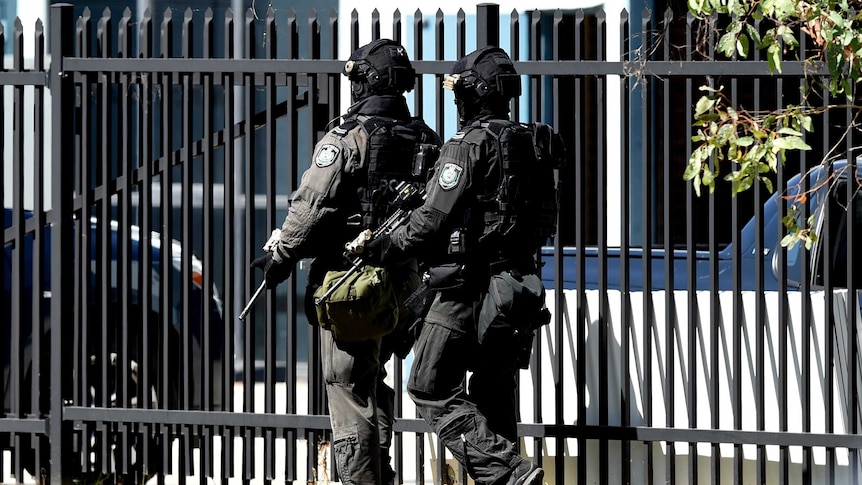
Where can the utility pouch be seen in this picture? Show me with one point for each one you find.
(363, 308)
(416, 305)
(446, 277)
(413, 310)
(514, 304)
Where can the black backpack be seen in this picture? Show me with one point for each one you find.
(527, 198)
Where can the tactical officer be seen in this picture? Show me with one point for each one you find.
(478, 270)
(355, 169)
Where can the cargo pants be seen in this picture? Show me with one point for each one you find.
(477, 424)
(361, 409)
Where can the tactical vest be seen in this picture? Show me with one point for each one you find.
(523, 213)
(397, 152)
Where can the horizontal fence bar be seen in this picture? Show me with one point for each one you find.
(207, 66)
(282, 67)
(199, 418)
(404, 425)
(690, 435)
(15, 425)
(30, 78)
(219, 418)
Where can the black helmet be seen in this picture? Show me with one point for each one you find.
(381, 67)
(486, 74)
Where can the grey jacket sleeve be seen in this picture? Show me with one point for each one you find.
(447, 190)
(316, 196)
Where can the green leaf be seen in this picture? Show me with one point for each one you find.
(788, 131)
(771, 159)
(727, 44)
(757, 152)
(787, 36)
(742, 45)
(836, 18)
(732, 113)
(708, 177)
(704, 104)
(773, 55)
(707, 118)
(754, 34)
(745, 141)
(784, 8)
(789, 240)
(741, 185)
(691, 170)
(790, 143)
(733, 152)
(717, 6)
(696, 7)
(726, 133)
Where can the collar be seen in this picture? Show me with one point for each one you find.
(390, 106)
(485, 114)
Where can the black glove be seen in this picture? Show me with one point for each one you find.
(273, 272)
(380, 251)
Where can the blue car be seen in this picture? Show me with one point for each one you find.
(607, 267)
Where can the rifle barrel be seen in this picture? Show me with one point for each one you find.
(357, 264)
(393, 221)
(250, 303)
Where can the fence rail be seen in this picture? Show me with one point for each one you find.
(145, 166)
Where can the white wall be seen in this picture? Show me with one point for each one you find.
(782, 381)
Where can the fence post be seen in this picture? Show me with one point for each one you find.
(487, 25)
(61, 219)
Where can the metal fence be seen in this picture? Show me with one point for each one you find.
(146, 160)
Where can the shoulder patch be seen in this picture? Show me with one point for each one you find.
(459, 135)
(326, 155)
(450, 175)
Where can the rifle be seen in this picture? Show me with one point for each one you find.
(408, 196)
(267, 247)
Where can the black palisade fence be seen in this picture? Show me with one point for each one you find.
(147, 156)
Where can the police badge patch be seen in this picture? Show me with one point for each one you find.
(450, 175)
(326, 155)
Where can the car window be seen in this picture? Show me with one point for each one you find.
(831, 249)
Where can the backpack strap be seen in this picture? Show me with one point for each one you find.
(341, 130)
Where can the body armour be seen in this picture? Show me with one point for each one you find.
(397, 153)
